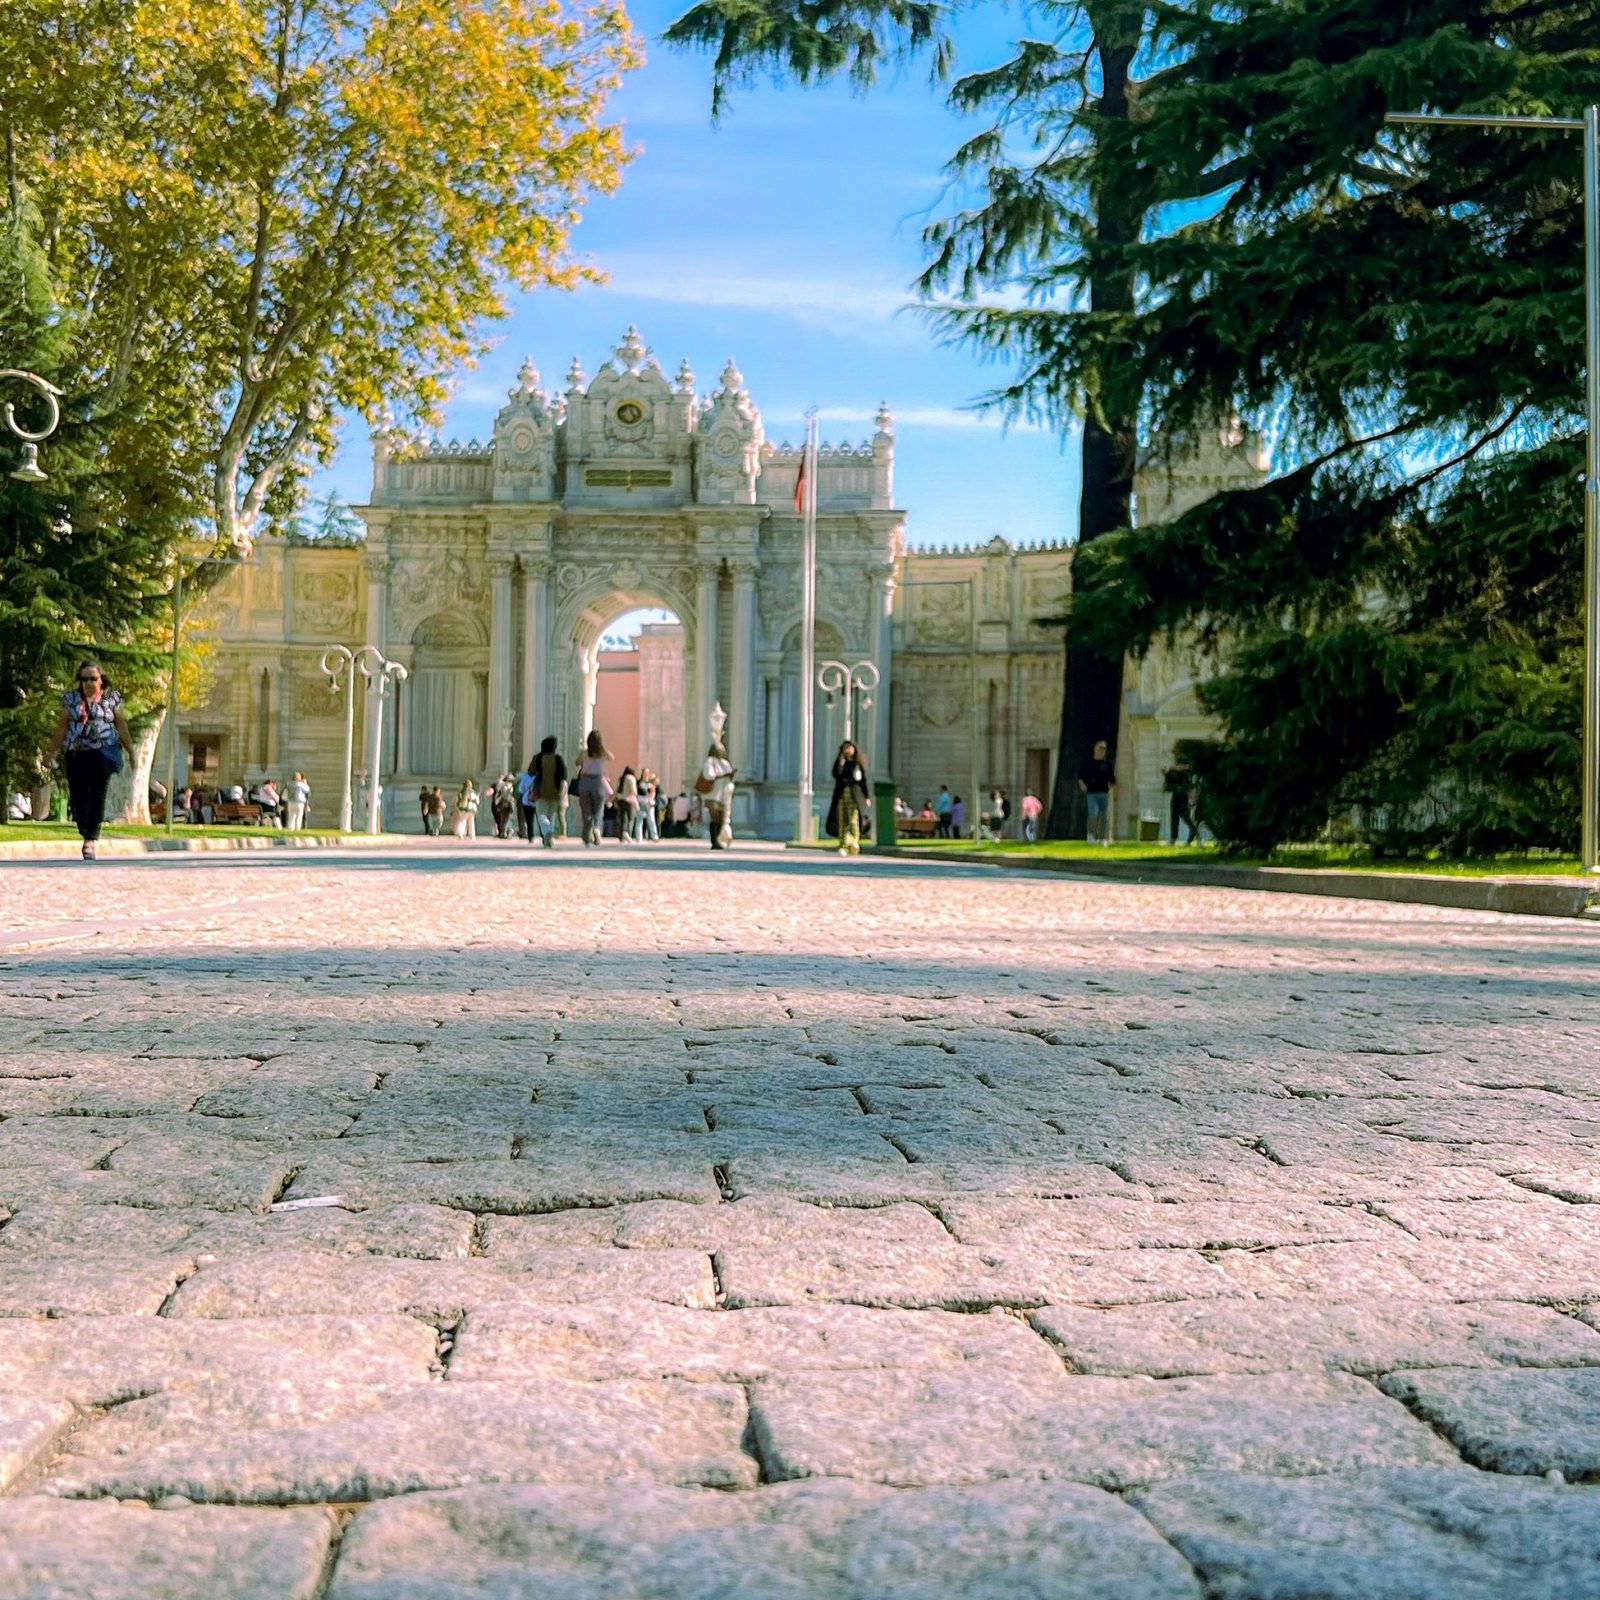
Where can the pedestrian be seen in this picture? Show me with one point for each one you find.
(297, 798)
(1032, 806)
(942, 807)
(549, 791)
(715, 786)
(849, 803)
(594, 785)
(527, 784)
(502, 805)
(1096, 778)
(267, 799)
(999, 813)
(958, 817)
(94, 735)
(682, 806)
(424, 795)
(1179, 784)
(466, 819)
(433, 811)
(627, 805)
(644, 822)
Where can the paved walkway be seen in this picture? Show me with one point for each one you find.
(459, 1224)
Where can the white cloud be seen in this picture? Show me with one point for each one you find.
(952, 417)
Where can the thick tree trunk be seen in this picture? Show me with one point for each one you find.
(129, 796)
(1091, 699)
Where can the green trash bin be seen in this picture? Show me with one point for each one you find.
(883, 813)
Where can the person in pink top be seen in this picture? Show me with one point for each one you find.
(1032, 806)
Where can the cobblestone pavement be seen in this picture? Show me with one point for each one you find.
(455, 1224)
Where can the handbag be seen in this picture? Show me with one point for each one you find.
(703, 784)
(112, 756)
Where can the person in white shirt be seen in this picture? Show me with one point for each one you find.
(716, 784)
(298, 798)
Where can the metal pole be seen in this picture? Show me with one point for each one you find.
(1591, 493)
(172, 694)
(347, 799)
(972, 800)
(808, 636)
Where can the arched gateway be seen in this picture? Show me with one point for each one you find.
(491, 571)
(628, 490)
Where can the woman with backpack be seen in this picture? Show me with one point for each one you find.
(92, 731)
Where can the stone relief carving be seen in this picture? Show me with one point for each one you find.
(939, 697)
(324, 601)
(310, 696)
(729, 444)
(525, 441)
(939, 613)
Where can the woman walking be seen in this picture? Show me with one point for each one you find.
(549, 791)
(433, 811)
(849, 803)
(92, 729)
(716, 784)
(466, 821)
(644, 822)
(627, 805)
(594, 787)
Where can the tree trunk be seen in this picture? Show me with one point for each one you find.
(129, 795)
(1091, 697)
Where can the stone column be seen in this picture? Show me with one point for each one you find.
(705, 658)
(535, 650)
(882, 643)
(377, 568)
(500, 648)
(745, 685)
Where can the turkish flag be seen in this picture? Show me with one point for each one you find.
(800, 483)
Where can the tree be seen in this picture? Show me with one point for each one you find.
(1043, 218)
(283, 211)
(1397, 610)
(82, 554)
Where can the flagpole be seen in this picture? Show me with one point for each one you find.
(808, 632)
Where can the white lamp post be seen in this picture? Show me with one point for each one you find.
(860, 678)
(377, 670)
(1589, 126)
(29, 470)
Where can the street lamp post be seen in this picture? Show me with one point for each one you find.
(29, 470)
(1589, 126)
(377, 669)
(834, 677)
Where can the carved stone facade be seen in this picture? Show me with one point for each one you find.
(491, 571)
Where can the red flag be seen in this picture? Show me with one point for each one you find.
(800, 481)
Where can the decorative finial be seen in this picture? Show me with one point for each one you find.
(884, 419)
(633, 350)
(685, 377)
(576, 377)
(527, 380)
(732, 377)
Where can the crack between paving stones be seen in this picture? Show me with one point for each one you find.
(1371, 1380)
(716, 1279)
(899, 1144)
(750, 1439)
(342, 1519)
(183, 1278)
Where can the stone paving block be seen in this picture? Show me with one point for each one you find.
(1114, 1224)
(1401, 1535)
(1578, 1183)
(1519, 1421)
(104, 1361)
(629, 1339)
(54, 1549)
(293, 1283)
(29, 1426)
(92, 1285)
(800, 1541)
(1348, 1272)
(950, 1276)
(1190, 1338)
(757, 1221)
(554, 1179)
(1558, 1268)
(271, 1444)
(55, 1142)
(921, 1427)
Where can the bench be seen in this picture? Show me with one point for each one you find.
(236, 811)
(917, 827)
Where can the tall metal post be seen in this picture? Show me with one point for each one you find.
(808, 635)
(974, 809)
(1589, 126)
(1591, 493)
(335, 657)
(172, 694)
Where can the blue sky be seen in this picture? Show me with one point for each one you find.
(787, 237)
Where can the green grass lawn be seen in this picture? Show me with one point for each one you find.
(16, 832)
(1340, 858)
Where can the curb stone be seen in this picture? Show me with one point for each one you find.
(271, 839)
(1560, 897)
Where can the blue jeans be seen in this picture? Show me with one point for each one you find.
(1099, 807)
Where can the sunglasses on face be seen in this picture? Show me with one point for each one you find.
(94, 679)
